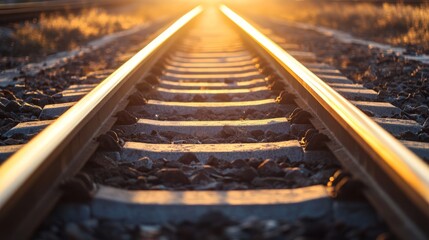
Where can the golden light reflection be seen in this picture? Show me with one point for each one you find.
(23, 164)
(400, 161)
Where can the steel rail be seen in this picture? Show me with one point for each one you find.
(398, 180)
(31, 178)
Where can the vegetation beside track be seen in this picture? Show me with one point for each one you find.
(61, 32)
(397, 24)
(54, 32)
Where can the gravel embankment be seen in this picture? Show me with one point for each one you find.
(213, 225)
(24, 102)
(397, 80)
(188, 173)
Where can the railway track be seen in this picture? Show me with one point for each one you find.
(213, 116)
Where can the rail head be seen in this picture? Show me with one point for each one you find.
(54, 146)
(409, 172)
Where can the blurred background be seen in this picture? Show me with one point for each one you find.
(394, 22)
(32, 30)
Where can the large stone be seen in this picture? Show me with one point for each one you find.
(173, 176)
(268, 168)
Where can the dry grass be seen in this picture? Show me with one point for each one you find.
(392, 23)
(65, 31)
(396, 24)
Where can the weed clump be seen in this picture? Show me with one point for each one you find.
(60, 32)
